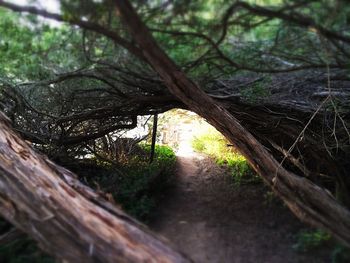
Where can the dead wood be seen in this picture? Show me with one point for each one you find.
(66, 218)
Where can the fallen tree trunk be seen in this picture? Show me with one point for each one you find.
(66, 218)
(308, 201)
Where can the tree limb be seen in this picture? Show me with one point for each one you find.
(66, 218)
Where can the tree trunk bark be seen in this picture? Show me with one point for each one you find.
(309, 202)
(66, 218)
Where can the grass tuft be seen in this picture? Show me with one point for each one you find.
(215, 145)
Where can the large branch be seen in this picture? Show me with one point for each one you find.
(308, 201)
(66, 218)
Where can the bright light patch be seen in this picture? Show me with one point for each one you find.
(52, 6)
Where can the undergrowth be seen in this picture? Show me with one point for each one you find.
(215, 145)
(22, 250)
(311, 240)
(308, 240)
(136, 184)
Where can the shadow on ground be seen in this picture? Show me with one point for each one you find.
(211, 220)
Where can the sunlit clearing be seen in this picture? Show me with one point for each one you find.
(179, 130)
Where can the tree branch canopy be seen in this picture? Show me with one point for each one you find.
(74, 21)
(311, 204)
(273, 80)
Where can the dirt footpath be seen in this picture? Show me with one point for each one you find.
(213, 221)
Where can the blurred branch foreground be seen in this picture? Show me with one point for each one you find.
(292, 130)
(67, 218)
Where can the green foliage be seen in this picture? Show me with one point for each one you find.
(215, 145)
(137, 183)
(34, 51)
(256, 91)
(23, 251)
(309, 240)
(142, 181)
(163, 155)
(340, 254)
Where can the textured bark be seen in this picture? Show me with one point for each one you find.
(308, 201)
(66, 218)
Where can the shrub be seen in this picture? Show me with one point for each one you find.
(340, 254)
(308, 240)
(319, 239)
(23, 251)
(136, 183)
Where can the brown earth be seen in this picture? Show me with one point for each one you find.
(212, 220)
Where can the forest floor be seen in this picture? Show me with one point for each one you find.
(211, 220)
